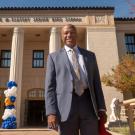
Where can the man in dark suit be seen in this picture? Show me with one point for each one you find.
(73, 94)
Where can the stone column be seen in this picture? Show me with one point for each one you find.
(55, 40)
(88, 43)
(16, 66)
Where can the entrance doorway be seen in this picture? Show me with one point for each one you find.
(36, 113)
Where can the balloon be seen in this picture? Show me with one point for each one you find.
(11, 92)
(10, 84)
(8, 102)
(12, 98)
(9, 116)
(9, 113)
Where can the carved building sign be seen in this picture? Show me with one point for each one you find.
(40, 19)
(51, 20)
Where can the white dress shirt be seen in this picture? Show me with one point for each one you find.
(83, 72)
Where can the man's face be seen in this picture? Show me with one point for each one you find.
(69, 36)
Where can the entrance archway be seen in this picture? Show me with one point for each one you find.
(35, 106)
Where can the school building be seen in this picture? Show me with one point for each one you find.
(28, 34)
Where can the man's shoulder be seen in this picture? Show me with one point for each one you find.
(56, 52)
(84, 51)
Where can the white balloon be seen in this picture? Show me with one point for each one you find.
(9, 113)
(11, 92)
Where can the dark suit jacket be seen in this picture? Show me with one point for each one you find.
(59, 83)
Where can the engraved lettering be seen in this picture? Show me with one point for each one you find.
(20, 19)
(7, 20)
(41, 19)
(72, 19)
(57, 19)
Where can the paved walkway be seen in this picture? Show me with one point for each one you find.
(31, 131)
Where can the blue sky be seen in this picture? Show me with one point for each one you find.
(123, 8)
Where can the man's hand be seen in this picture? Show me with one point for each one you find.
(103, 116)
(52, 121)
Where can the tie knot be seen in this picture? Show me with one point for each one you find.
(73, 50)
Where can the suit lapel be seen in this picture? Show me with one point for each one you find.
(65, 59)
(87, 63)
(85, 59)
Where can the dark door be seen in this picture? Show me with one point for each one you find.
(36, 113)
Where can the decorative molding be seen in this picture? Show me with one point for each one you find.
(100, 19)
(35, 93)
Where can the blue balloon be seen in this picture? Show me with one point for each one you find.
(10, 84)
(13, 118)
(10, 107)
(12, 98)
(6, 126)
(9, 123)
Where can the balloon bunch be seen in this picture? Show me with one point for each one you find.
(9, 116)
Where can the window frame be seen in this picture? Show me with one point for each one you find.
(130, 46)
(1, 58)
(33, 59)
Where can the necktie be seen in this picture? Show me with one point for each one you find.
(77, 82)
(75, 63)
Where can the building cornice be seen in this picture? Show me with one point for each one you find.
(124, 19)
(56, 8)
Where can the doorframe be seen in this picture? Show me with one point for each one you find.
(33, 94)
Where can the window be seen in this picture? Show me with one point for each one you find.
(5, 58)
(36, 93)
(38, 59)
(130, 43)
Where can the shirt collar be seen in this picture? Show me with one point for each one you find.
(68, 48)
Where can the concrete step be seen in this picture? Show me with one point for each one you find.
(32, 131)
(28, 131)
